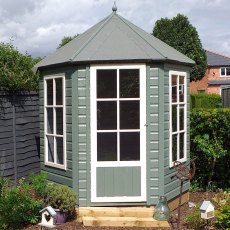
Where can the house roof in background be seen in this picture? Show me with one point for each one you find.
(215, 59)
(114, 39)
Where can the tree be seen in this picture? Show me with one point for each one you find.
(66, 40)
(181, 35)
(16, 69)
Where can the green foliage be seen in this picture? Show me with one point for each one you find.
(222, 200)
(16, 70)
(180, 34)
(210, 134)
(66, 40)
(193, 220)
(205, 100)
(61, 197)
(18, 207)
(38, 183)
(4, 185)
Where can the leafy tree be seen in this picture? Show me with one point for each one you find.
(16, 69)
(66, 40)
(180, 34)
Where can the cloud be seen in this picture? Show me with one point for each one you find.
(38, 26)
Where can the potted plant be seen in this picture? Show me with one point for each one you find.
(63, 200)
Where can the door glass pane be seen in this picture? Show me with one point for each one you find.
(50, 146)
(59, 97)
(59, 121)
(174, 88)
(129, 114)
(106, 146)
(50, 120)
(59, 141)
(49, 91)
(182, 118)
(174, 147)
(107, 83)
(174, 118)
(181, 145)
(129, 83)
(106, 115)
(181, 88)
(130, 146)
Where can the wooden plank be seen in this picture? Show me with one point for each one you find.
(124, 222)
(173, 204)
(115, 212)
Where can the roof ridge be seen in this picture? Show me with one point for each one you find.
(94, 34)
(210, 51)
(125, 21)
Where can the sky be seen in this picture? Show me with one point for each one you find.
(37, 26)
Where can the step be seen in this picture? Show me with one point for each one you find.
(123, 222)
(115, 212)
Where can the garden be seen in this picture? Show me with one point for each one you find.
(20, 205)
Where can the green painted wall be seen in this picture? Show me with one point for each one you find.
(54, 174)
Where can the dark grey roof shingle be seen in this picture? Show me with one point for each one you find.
(214, 59)
(114, 39)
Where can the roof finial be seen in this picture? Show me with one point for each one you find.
(114, 7)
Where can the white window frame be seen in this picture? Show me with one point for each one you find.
(225, 71)
(118, 163)
(48, 163)
(179, 88)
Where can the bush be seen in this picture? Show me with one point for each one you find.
(61, 197)
(18, 207)
(193, 220)
(204, 100)
(210, 134)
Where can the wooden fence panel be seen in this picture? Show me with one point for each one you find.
(19, 135)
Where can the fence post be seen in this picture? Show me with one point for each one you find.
(14, 141)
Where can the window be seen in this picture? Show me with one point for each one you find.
(225, 71)
(54, 99)
(178, 116)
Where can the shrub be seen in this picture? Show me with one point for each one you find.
(193, 220)
(210, 134)
(222, 200)
(61, 197)
(17, 207)
(204, 100)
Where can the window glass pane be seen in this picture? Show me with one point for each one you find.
(129, 83)
(49, 91)
(222, 70)
(59, 121)
(174, 118)
(129, 114)
(181, 88)
(174, 147)
(181, 145)
(50, 120)
(50, 148)
(106, 146)
(130, 146)
(106, 115)
(174, 88)
(181, 117)
(60, 155)
(106, 83)
(59, 92)
(228, 71)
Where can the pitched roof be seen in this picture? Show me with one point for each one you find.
(205, 205)
(215, 59)
(114, 39)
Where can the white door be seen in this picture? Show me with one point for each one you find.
(118, 133)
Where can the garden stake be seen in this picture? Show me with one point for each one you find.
(184, 172)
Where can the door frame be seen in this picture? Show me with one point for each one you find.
(93, 120)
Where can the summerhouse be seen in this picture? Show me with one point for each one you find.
(113, 115)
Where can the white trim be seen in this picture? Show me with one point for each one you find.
(142, 162)
(178, 104)
(46, 162)
(225, 71)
